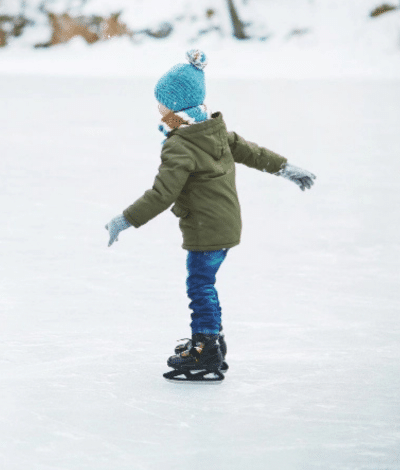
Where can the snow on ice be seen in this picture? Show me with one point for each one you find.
(310, 297)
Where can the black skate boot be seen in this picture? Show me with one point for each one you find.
(222, 345)
(203, 355)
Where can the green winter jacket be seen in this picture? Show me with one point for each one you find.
(197, 173)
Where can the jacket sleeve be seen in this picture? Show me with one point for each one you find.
(172, 175)
(254, 156)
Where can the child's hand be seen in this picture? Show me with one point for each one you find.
(303, 178)
(116, 225)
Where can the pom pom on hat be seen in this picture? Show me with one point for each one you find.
(197, 58)
(183, 86)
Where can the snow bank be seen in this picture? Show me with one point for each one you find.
(320, 39)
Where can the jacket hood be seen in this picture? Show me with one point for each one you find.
(211, 135)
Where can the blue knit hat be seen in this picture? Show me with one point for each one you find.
(183, 86)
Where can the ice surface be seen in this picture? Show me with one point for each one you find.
(310, 298)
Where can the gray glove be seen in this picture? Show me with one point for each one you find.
(116, 225)
(302, 178)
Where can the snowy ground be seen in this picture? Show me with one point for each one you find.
(310, 298)
(340, 40)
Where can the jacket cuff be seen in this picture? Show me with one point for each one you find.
(130, 219)
(282, 169)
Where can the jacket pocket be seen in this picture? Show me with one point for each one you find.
(180, 211)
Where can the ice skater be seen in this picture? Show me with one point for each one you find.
(197, 175)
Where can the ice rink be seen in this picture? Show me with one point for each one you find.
(310, 297)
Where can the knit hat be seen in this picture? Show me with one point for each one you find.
(183, 86)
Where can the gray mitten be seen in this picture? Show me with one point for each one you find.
(116, 225)
(302, 178)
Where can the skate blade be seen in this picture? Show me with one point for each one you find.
(201, 377)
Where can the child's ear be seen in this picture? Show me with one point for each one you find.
(163, 109)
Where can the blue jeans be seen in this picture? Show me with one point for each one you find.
(202, 267)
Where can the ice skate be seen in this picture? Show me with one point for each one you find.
(222, 345)
(200, 362)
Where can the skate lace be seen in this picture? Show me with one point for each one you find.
(183, 339)
(199, 348)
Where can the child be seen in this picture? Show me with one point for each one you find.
(197, 173)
